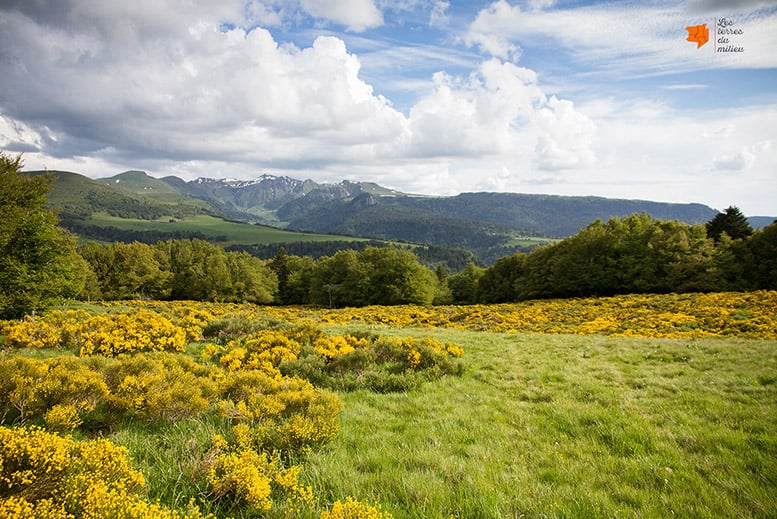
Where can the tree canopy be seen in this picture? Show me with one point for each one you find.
(38, 260)
(732, 222)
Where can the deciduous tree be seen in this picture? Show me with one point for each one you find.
(38, 260)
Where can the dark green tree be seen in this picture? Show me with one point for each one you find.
(443, 295)
(762, 246)
(634, 254)
(464, 284)
(252, 279)
(374, 276)
(280, 265)
(300, 274)
(202, 271)
(497, 284)
(339, 280)
(732, 222)
(38, 260)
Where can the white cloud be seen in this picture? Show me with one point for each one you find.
(500, 109)
(438, 18)
(492, 31)
(566, 139)
(192, 90)
(357, 15)
(636, 39)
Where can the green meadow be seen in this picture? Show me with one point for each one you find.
(567, 426)
(535, 426)
(232, 232)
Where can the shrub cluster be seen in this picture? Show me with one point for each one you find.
(67, 393)
(47, 476)
(342, 362)
(244, 475)
(104, 334)
(260, 379)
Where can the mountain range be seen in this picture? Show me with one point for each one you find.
(488, 224)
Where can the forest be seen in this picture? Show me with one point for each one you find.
(41, 262)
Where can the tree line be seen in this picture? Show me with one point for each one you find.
(634, 254)
(41, 263)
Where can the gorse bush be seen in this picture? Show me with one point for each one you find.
(242, 475)
(46, 476)
(104, 334)
(353, 509)
(260, 380)
(160, 387)
(346, 362)
(269, 413)
(287, 413)
(62, 391)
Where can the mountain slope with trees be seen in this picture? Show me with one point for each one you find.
(484, 224)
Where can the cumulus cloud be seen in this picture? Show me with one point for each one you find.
(566, 139)
(194, 90)
(197, 90)
(190, 90)
(500, 109)
(357, 15)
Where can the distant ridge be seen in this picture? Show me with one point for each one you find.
(488, 224)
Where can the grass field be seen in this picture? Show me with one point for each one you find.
(579, 421)
(232, 232)
(568, 426)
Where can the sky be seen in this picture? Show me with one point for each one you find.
(434, 97)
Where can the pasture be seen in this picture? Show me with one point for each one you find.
(634, 406)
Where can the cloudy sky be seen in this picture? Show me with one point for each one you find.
(424, 96)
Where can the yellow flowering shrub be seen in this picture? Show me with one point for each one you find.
(103, 334)
(63, 389)
(286, 413)
(16, 507)
(375, 362)
(33, 334)
(242, 474)
(265, 349)
(159, 386)
(353, 509)
(740, 314)
(330, 347)
(244, 477)
(743, 314)
(143, 330)
(63, 417)
(46, 476)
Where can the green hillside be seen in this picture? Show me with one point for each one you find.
(486, 225)
(138, 183)
(77, 197)
(214, 229)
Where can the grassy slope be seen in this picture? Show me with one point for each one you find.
(568, 426)
(235, 233)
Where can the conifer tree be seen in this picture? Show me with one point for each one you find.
(732, 222)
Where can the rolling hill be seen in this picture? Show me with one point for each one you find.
(487, 224)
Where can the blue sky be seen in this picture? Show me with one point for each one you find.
(425, 96)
